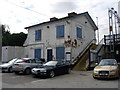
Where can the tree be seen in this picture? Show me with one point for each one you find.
(5, 35)
(15, 39)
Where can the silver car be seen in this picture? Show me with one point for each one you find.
(7, 67)
(25, 65)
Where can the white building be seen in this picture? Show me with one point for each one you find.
(62, 38)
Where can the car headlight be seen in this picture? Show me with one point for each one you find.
(113, 71)
(96, 71)
(33, 70)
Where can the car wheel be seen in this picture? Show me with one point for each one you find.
(27, 71)
(16, 72)
(34, 76)
(52, 74)
(10, 69)
(94, 77)
(69, 70)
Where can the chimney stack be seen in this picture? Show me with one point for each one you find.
(53, 19)
(72, 14)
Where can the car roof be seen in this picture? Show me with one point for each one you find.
(109, 59)
(30, 58)
(26, 58)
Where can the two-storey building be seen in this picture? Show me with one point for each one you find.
(60, 39)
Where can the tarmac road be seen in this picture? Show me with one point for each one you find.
(77, 79)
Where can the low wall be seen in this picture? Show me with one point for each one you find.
(10, 52)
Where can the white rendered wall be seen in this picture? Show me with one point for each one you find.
(87, 32)
(49, 40)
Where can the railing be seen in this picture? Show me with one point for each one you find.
(102, 41)
(84, 50)
(100, 44)
(110, 39)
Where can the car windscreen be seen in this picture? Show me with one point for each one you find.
(107, 62)
(12, 61)
(50, 63)
(19, 61)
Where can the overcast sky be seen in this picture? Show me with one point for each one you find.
(22, 13)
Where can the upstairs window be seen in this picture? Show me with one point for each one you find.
(79, 32)
(60, 31)
(38, 35)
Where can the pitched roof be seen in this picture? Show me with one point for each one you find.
(86, 14)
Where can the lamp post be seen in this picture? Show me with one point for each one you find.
(115, 19)
(98, 30)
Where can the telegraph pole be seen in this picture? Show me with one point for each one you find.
(97, 30)
(113, 36)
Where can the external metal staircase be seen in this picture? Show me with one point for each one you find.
(79, 62)
(82, 61)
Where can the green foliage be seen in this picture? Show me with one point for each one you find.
(15, 39)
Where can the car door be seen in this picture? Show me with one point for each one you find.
(59, 68)
(26, 63)
(38, 62)
(33, 63)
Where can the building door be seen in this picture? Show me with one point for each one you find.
(49, 54)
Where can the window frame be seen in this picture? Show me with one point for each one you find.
(60, 31)
(58, 53)
(36, 51)
(38, 35)
(79, 33)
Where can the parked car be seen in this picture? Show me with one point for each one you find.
(107, 68)
(7, 67)
(51, 69)
(25, 65)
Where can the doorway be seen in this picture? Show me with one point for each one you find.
(49, 54)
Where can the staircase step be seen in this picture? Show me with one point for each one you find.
(81, 63)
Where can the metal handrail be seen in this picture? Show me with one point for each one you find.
(81, 53)
(109, 38)
(100, 44)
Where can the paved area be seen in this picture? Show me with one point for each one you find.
(77, 79)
